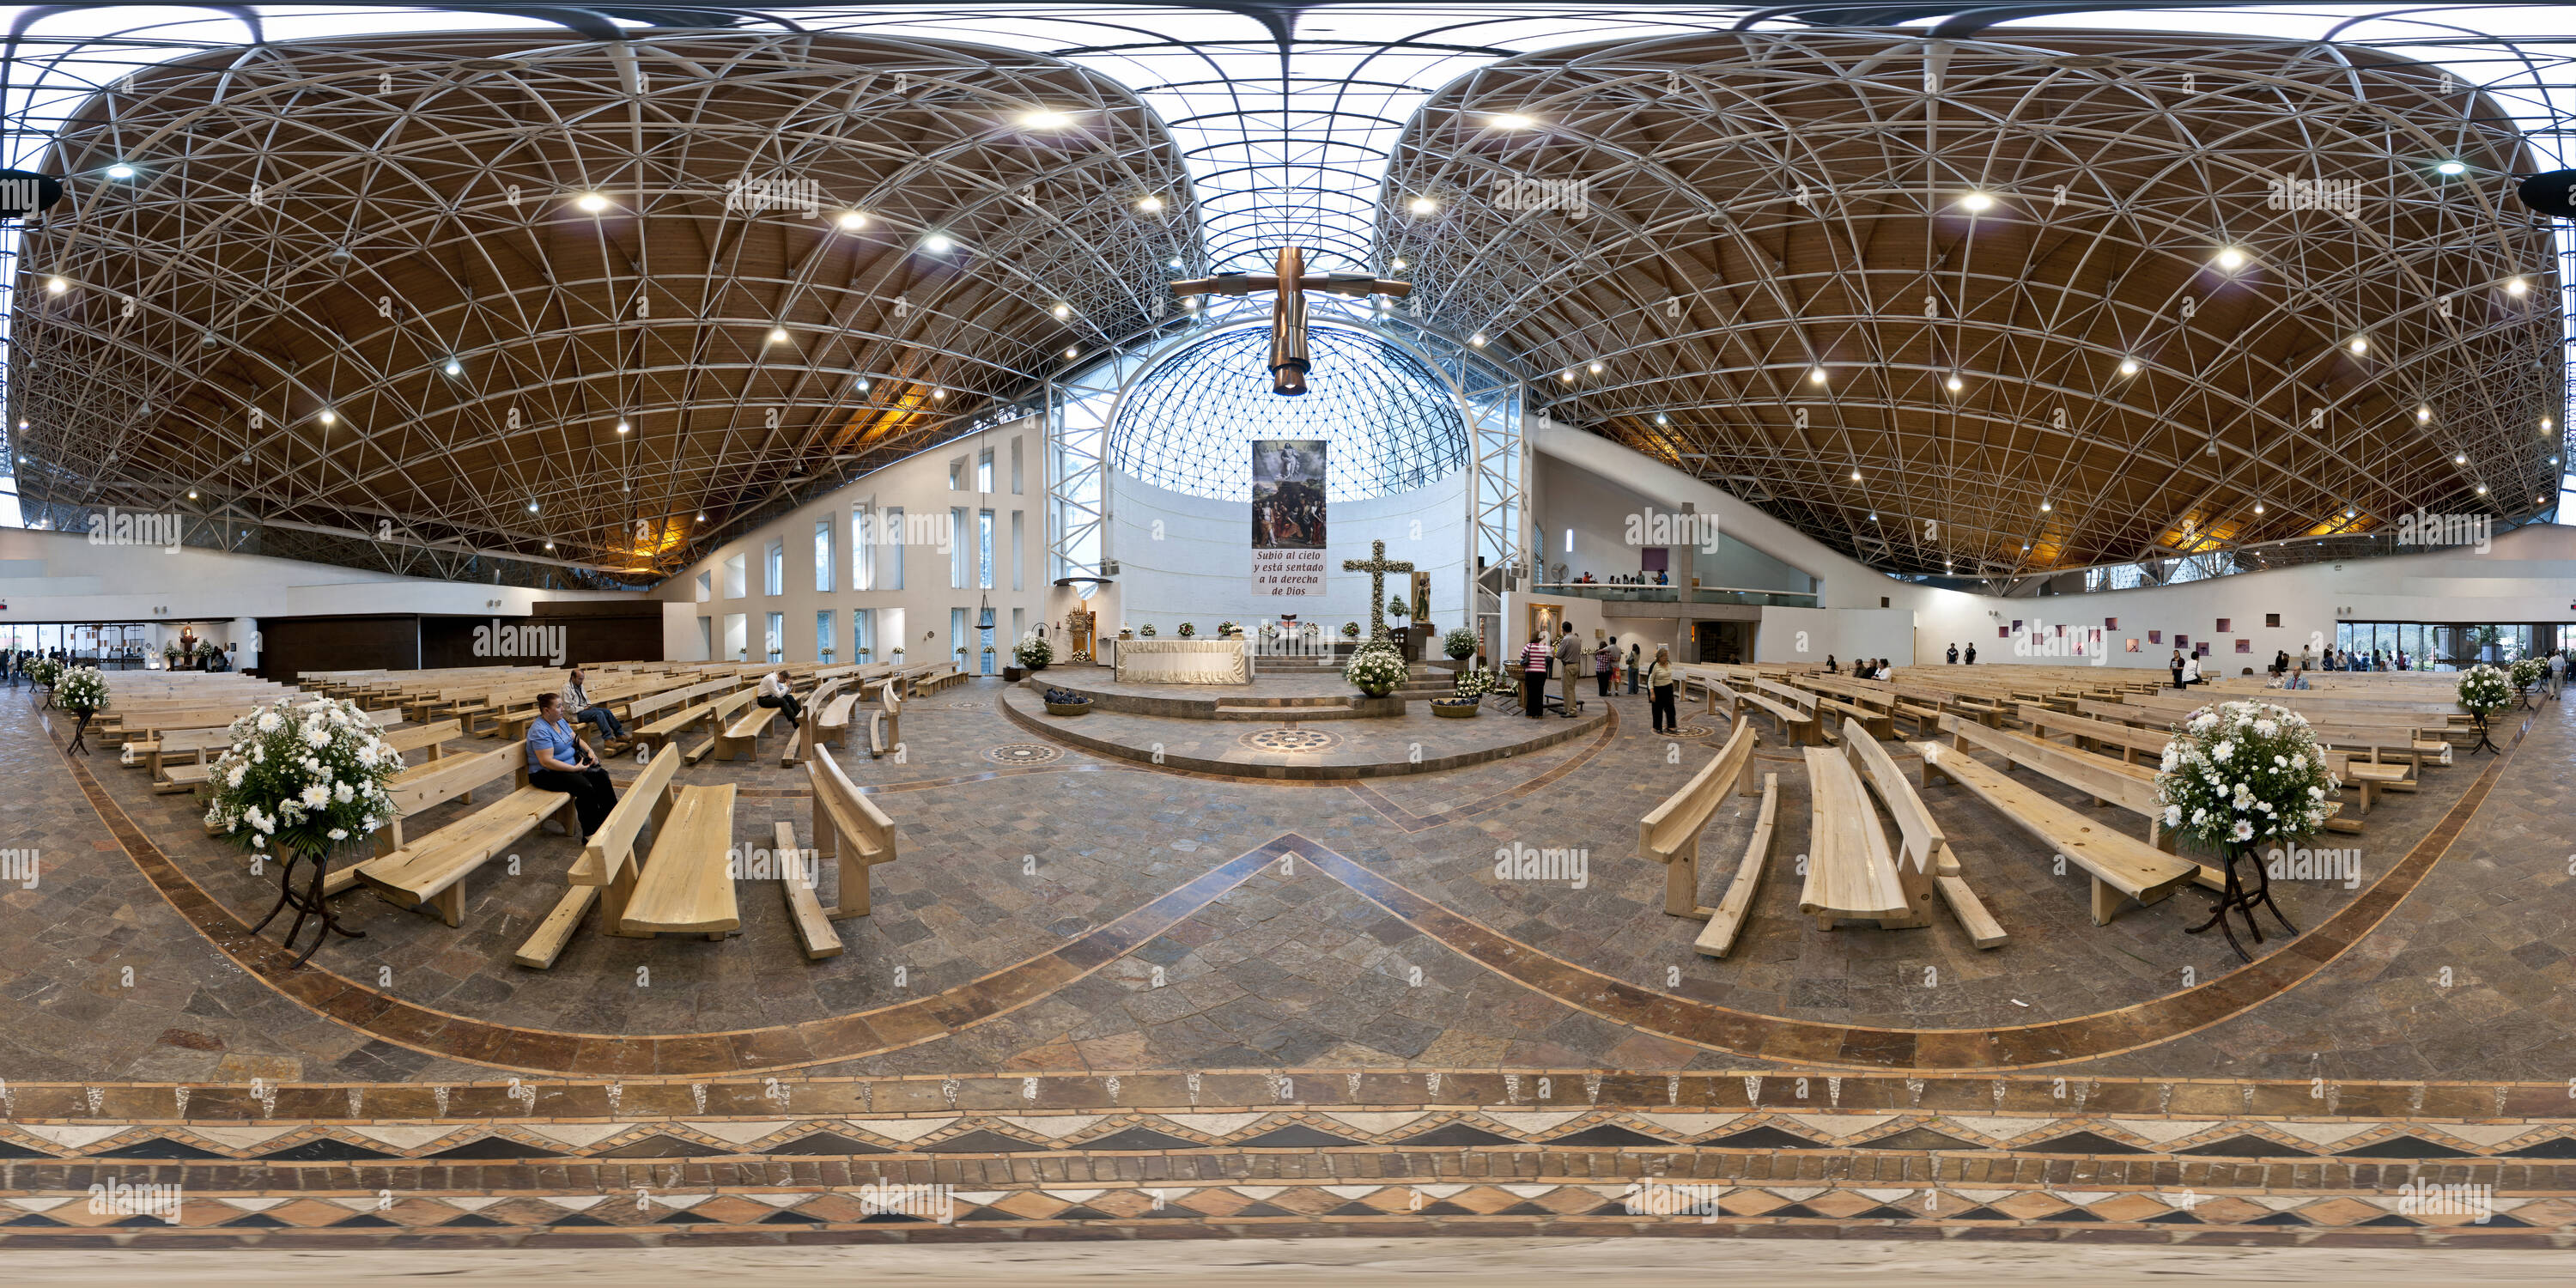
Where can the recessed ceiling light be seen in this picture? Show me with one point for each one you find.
(1977, 201)
(2517, 287)
(1816, 375)
(1046, 120)
(590, 203)
(56, 286)
(1064, 310)
(1513, 121)
(2360, 344)
(2451, 167)
(2128, 366)
(778, 335)
(623, 427)
(2231, 259)
(329, 417)
(937, 243)
(1425, 206)
(120, 171)
(1150, 203)
(453, 368)
(853, 220)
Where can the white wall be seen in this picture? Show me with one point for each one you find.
(2528, 576)
(62, 577)
(1188, 558)
(919, 485)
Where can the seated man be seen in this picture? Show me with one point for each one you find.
(576, 700)
(774, 693)
(558, 761)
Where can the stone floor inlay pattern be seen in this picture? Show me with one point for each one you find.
(1290, 741)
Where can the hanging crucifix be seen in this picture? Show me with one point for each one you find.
(1288, 361)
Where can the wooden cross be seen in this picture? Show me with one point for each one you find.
(1288, 362)
(1377, 566)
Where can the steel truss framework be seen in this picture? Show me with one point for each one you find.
(383, 243)
(1769, 244)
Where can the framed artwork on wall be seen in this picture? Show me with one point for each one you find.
(2244, 646)
(2133, 645)
(2223, 624)
(2155, 637)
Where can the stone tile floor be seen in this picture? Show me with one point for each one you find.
(1290, 968)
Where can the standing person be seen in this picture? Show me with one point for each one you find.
(2307, 657)
(1635, 658)
(1534, 661)
(1569, 659)
(774, 693)
(1661, 681)
(1972, 655)
(2557, 671)
(1605, 659)
(2174, 665)
(1954, 655)
(576, 700)
(559, 762)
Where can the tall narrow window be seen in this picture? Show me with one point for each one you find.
(706, 586)
(774, 641)
(736, 577)
(706, 639)
(960, 548)
(823, 556)
(890, 534)
(984, 549)
(957, 637)
(1017, 541)
(862, 634)
(984, 470)
(1015, 466)
(863, 547)
(823, 649)
(773, 577)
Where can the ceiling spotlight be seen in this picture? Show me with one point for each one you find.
(2231, 259)
(863, 384)
(2045, 507)
(120, 171)
(937, 243)
(622, 426)
(2128, 366)
(1855, 476)
(2450, 167)
(2482, 489)
(1478, 339)
(550, 545)
(329, 418)
(778, 335)
(2546, 424)
(1063, 311)
(532, 507)
(1398, 262)
(1873, 518)
(1567, 376)
(1044, 120)
(1176, 261)
(1816, 375)
(2423, 414)
(1595, 368)
(192, 494)
(1977, 201)
(2347, 512)
(1662, 419)
(702, 517)
(1954, 384)
(1512, 121)
(2517, 288)
(1424, 206)
(2258, 507)
(938, 395)
(2459, 458)
(2360, 344)
(590, 203)
(453, 367)
(852, 220)
(1073, 353)
(1150, 204)
(56, 286)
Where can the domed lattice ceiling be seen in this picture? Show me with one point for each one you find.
(267, 310)
(1716, 219)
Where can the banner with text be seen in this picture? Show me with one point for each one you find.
(1288, 517)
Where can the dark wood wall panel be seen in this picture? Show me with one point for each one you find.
(289, 646)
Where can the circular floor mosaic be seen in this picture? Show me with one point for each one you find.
(1291, 741)
(1023, 753)
(1693, 731)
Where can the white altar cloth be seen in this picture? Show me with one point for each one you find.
(1185, 661)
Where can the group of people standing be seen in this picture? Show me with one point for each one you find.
(1567, 658)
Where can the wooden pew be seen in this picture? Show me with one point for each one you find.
(1923, 854)
(1726, 921)
(1851, 873)
(2120, 866)
(686, 886)
(432, 869)
(885, 724)
(2366, 778)
(606, 870)
(809, 732)
(832, 722)
(180, 778)
(720, 713)
(1798, 727)
(1669, 833)
(742, 736)
(851, 833)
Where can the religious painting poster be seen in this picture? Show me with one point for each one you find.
(1288, 517)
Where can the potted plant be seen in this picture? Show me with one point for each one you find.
(2484, 691)
(1459, 643)
(1144, 632)
(2526, 676)
(170, 656)
(1398, 609)
(1472, 688)
(84, 691)
(1066, 702)
(1033, 651)
(1350, 630)
(304, 777)
(1188, 630)
(1375, 671)
(44, 671)
(2236, 776)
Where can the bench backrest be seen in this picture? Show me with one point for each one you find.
(428, 735)
(841, 813)
(1671, 826)
(444, 780)
(2108, 779)
(2039, 717)
(1922, 836)
(647, 799)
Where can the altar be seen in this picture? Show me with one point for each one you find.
(1185, 661)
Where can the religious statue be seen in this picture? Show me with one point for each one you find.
(1288, 362)
(1078, 624)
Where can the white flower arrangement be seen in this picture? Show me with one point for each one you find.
(1033, 651)
(81, 688)
(2527, 673)
(1375, 671)
(1474, 683)
(2483, 688)
(1459, 642)
(2240, 773)
(303, 775)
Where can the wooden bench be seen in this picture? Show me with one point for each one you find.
(686, 886)
(885, 724)
(938, 679)
(431, 870)
(2366, 778)
(1796, 726)
(742, 736)
(1727, 920)
(2120, 866)
(182, 778)
(850, 833)
(720, 713)
(832, 722)
(1669, 833)
(666, 730)
(1923, 853)
(809, 732)
(605, 872)
(1851, 873)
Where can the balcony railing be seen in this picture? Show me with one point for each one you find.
(1614, 593)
